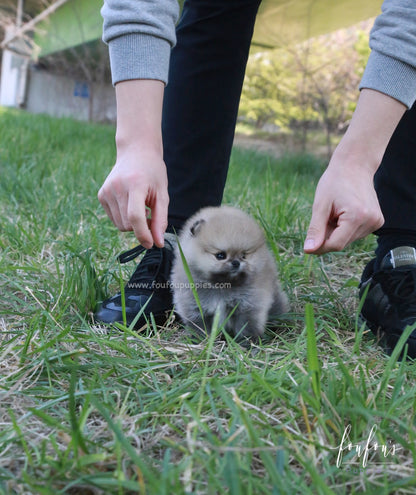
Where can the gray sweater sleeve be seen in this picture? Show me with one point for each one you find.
(391, 67)
(140, 35)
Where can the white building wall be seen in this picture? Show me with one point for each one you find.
(61, 96)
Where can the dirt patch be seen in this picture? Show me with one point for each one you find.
(269, 147)
(278, 148)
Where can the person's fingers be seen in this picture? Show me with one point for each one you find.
(102, 199)
(317, 230)
(136, 214)
(120, 213)
(374, 221)
(351, 228)
(110, 208)
(342, 235)
(136, 185)
(159, 220)
(115, 205)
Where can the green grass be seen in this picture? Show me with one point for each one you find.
(84, 411)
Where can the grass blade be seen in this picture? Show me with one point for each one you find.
(312, 352)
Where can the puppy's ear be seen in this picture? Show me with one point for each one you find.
(196, 227)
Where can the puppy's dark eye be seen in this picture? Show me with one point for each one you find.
(243, 256)
(221, 255)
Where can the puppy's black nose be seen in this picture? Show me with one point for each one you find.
(235, 263)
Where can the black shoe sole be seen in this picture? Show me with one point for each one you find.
(388, 341)
(159, 318)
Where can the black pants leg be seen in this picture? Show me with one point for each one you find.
(395, 183)
(201, 101)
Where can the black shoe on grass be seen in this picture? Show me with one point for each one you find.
(148, 286)
(390, 303)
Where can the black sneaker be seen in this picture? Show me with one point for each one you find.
(390, 303)
(149, 285)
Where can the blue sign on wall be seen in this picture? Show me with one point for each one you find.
(81, 89)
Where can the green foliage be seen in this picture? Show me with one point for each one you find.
(362, 48)
(271, 90)
(310, 85)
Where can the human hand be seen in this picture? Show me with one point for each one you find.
(345, 208)
(138, 180)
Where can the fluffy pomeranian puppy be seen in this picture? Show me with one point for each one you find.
(232, 270)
